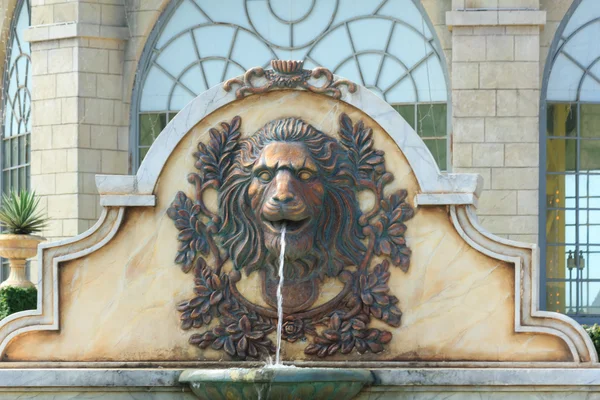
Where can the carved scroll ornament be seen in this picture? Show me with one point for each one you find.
(289, 173)
(288, 74)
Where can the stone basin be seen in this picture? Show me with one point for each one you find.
(276, 383)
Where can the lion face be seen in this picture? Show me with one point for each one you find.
(286, 189)
(290, 173)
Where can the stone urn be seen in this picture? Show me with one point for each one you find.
(17, 249)
(272, 383)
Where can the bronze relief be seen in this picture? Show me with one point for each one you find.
(290, 173)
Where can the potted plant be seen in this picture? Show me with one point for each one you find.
(20, 218)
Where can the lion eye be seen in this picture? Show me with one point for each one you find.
(264, 176)
(305, 175)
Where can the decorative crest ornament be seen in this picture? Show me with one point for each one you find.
(288, 74)
(290, 173)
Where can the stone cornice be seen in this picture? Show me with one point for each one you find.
(67, 30)
(495, 18)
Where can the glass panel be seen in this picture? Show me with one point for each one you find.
(437, 147)
(564, 80)
(6, 181)
(407, 111)
(561, 155)
(173, 60)
(590, 121)
(150, 127)
(590, 298)
(590, 90)
(559, 260)
(561, 120)
(556, 227)
(585, 12)
(143, 152)
(432, 120)
(430, 80)
(589, 155)
(186, 16)
(591, 262)
(6, 154)
(555, 296)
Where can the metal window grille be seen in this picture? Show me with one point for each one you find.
(370, 64)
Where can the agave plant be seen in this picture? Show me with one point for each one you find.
(19, 213)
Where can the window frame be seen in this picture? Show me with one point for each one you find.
(543, 208)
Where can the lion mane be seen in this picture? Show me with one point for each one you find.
(338, 238)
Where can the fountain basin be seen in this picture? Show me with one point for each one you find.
(276, 383)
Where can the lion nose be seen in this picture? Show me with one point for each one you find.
(283, 194)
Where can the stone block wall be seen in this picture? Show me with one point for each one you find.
(77, 53)
(498, 51)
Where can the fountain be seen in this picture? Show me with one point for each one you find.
(319, 250)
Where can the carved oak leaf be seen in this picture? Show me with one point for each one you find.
(358, 140)
(192, 238)
(213, 160)
(375, 297)
(347, 335)
(209, 290)
(390, 229)
(243, 337)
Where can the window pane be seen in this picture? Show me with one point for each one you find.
(150, 127)
(559, 259)
(143, 152)
(437, 147)
(407, 111)
(589, 155)
(590, 121)
(561, 155)
(555, 296)
(555, 226)
(431, 120)
(561, 120)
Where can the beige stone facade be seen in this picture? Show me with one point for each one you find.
(85, 55)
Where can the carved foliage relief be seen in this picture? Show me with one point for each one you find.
(289, 174)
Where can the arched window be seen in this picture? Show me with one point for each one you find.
(16, 122)
(570, 155)
(387, 45)
(16, 127)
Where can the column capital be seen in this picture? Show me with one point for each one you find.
(67, 30)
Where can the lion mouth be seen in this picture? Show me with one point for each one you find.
(290, 225)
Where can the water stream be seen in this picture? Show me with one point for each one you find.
(280, 296)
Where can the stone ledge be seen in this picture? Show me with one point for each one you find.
(552, 379)
(128, 200)
(495, 18)
(41, 33)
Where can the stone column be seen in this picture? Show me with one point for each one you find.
(495, 103)
(77, 60)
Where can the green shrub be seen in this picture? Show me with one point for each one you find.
(15, 299)
(594, 332)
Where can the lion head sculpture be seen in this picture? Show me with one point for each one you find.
(290, 174)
